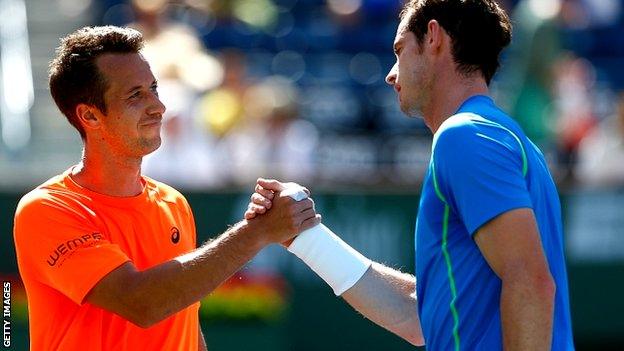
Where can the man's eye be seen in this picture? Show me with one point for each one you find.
(154, 89)
(135, 95)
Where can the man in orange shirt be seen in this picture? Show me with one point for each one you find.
(108, 257)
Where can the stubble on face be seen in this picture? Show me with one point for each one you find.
(421, 83)
(413, 77)
(132, 121)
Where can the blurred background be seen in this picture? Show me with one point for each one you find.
(294, 89)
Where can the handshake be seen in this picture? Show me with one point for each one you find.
(289, 218)
(282, 213)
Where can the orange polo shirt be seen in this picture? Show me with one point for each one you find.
(67, 238)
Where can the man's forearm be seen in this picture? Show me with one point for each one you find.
(146, 297)
(527, 314)
(387, 297)
(171, 286)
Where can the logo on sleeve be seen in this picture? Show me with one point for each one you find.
(175, 235)
(67, 248)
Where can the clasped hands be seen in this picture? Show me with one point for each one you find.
(282, 217)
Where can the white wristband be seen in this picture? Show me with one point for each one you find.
(337, 263)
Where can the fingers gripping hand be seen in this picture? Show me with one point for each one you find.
(274, 185)
(279, 214)
(261, 200)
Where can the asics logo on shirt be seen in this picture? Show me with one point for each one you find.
(175, 235)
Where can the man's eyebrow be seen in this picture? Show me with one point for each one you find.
(154, 82)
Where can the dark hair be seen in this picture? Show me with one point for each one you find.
(74, 76)
(479, 30)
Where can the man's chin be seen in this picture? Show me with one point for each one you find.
(411, 111)
(151, 145)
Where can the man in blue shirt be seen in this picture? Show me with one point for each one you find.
(489, 249)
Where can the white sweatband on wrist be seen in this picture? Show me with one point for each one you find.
(337, 263)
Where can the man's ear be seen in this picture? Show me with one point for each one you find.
(435, 35)
(88, 116)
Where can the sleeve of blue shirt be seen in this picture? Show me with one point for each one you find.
(479, 170)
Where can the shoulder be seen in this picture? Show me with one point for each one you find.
(45, 195)
(50, 206)
(457, 131)
(31, 201)
(470, 133)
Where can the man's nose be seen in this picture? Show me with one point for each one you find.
(391, 77)
(157, 106)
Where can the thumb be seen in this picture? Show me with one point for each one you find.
(271, 184)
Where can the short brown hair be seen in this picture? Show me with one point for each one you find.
(479, 30)
(74, 76)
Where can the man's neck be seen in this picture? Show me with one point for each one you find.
(447, 97)
(107, 173)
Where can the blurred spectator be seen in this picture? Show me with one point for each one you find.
(186, 157)
(185, 70)
(601, 153)
(173, 48)
(259, 15)
(334, 52)
(583, 14)
(525, 83)
(221, 109)
(575, 83)
(273, 141)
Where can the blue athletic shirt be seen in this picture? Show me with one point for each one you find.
(482, 165)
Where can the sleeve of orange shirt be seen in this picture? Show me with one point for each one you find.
(58, 244)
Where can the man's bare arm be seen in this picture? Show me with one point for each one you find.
(147, 297)
(383, 295)
(388, 298)
(512, 247)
